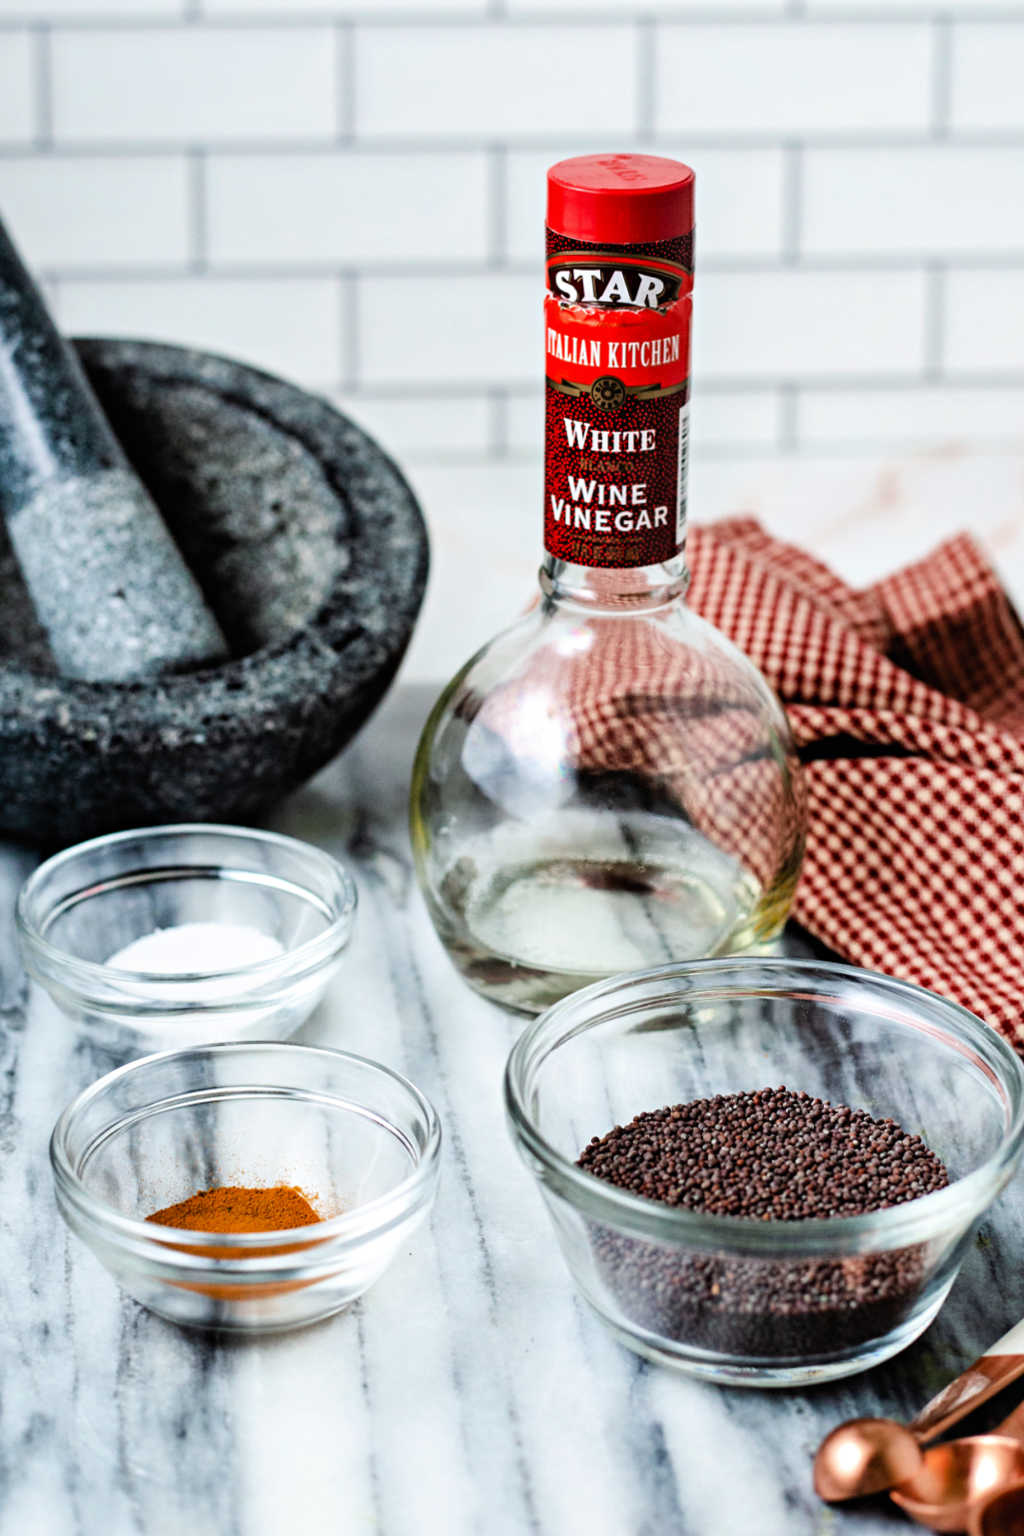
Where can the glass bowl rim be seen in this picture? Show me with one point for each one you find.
(916, 1220)
(154, 1242)
(290, 965)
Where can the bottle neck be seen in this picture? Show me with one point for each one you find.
(638, 588)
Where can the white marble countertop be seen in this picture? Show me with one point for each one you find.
(470, 1391)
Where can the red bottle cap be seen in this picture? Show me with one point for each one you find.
(620, 199)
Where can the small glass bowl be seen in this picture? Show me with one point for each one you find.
(86, 904)
(764, 1303)
(359, 1140)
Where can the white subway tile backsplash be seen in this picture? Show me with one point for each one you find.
(739, 200)
(524, 422)
(786, 325)
(89, 10)
(603, 8)
(988, 66)
(744, 419)
(286, 325)
(495, 81)
(525, 187)
(934, 199)
(78, 212)
(792, 78)
(360, 8)
(740, 197)
(482, 518)
(17, 94)
(194, 84)
(910, 419)
(343, 208)
(351, 192)
(427, 427)
(481, 329)
(985, 322)
(880, 9)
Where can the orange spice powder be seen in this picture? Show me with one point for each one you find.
(235, 1208)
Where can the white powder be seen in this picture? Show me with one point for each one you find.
(196, 947)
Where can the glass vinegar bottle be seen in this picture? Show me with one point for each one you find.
(608, 784)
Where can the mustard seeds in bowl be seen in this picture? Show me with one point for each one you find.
(771, 1154)
(764, 1155)
(734, 1282)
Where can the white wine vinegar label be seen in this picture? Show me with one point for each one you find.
(617, 352)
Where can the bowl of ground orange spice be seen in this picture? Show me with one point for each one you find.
(247, 1187)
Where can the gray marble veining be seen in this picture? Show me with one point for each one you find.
(471, 1392)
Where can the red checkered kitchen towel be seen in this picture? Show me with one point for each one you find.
(907, 704)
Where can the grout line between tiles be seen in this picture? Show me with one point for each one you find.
(730, 450)
(42, 66)
(296, 17)
(350, 337)
(708, 388)
(198, 243)
(497, 194)
(345, 81)
(541, 15)
(792, 203)
(942, 76)
(788, 418)
(429, 269)
(52, 290)
(400, 144)
(497, 424)
(935, 321)
(906, 379)
(646, 78)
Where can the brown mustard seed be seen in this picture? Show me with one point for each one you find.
(770, 1155)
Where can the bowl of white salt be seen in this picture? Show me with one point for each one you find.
(185, 934)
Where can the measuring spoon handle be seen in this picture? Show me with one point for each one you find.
(1012, 1425)
(1001, 1363)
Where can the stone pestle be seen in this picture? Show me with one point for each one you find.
(108, 582)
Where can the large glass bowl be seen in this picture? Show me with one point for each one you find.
(360, 1140)
(764, 1302)
(84, 905)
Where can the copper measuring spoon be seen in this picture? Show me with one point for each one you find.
(955, 1479)
(866, 1456)
(1002, 1514)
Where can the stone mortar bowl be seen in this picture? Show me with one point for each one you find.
(309, 546)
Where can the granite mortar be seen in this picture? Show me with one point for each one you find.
(310, 549)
